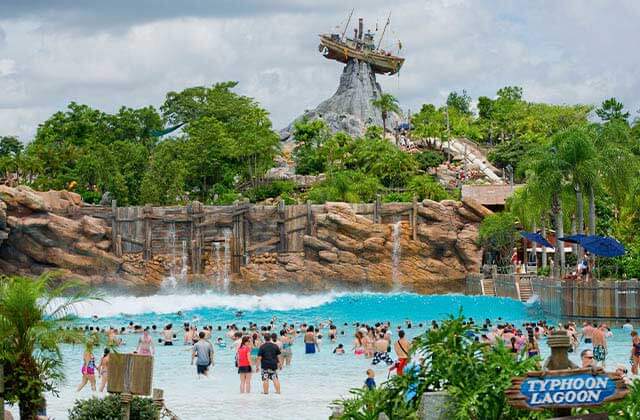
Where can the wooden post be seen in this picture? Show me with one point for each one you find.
(414, 219)
(309, 226)
(118, 246)
(158, 397)
(125, 397)
(146, 214)
(282, 247)
(377, 217)
(114, 225)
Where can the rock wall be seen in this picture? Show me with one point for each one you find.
(41, 231)
(349, 250)
(37, 238)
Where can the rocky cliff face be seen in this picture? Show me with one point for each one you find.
(44, 231)
(37, 238)
(349, 250)
(349, 109)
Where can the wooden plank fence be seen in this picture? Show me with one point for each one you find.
(573, 300)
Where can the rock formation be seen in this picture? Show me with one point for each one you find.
(36, 237)
(52, 230)
(349, 109)
(349, 250)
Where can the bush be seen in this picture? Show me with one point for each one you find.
(348, 186)
(110, 408)
(271, 190)
(426, 186)
(429, 159)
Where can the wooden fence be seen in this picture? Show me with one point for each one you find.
(571, 300)
(248, 229)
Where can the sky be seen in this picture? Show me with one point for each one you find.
(132, 52)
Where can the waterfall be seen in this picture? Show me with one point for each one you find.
(216, 257)
(184, 268)
(170, 242)
(395, 255)
(227, 259)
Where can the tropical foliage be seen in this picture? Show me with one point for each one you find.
(111, 408)
(32, 312)
(445, 352)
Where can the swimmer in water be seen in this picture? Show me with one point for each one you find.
(220, 343)
(239, 314)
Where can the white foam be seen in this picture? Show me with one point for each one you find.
(171, 303)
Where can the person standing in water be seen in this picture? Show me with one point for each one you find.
(167, 335)
(287, 344)
(88, 368)
(310, 341)
(244, 365)
(600, 344)
(145, 344)
(401, 348)
(203, 352)
(103, 369)
(269, 362)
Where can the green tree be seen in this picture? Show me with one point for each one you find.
(31, 312)
(386, 103)
(310, 137)
(10, 146)
(611, 110)
(497, 234)
(460, 102)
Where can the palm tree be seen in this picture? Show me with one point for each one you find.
(31, 315)
(546, 179)
(386, 103)
(578, 155)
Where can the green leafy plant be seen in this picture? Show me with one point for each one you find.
(110, 408)
(32, 312)
(497, 234)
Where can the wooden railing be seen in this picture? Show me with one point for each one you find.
(594, 300)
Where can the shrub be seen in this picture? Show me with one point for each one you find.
(271, 190)
(426, 186)
(429, 159)
(110, 408)
(348, 186)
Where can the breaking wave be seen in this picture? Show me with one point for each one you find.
(166, 304)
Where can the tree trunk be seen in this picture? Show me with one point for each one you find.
(558, 256)
(384, 125)
(560, 233)
(592, 211)
(580, 216)
(544, 248)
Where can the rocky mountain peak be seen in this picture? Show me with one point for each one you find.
(350, 108)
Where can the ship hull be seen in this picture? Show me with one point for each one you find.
(381, 64)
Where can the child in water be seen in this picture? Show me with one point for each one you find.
(370, 382)
(339, 349)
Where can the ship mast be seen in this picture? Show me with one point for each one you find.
(347, 25)
(384, 30)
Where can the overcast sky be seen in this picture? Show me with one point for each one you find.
(113, 53)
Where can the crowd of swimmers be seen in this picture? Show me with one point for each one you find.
(267, 349)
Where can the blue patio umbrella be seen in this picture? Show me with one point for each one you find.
(602, 246)
(536, 237)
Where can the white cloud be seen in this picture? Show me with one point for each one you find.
(563, 52)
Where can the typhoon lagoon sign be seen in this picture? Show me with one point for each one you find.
(565, 388)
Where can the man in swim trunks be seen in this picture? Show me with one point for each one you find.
(203, 352)
(587, 332)
(269, 362)
(401, 348)
(380, 354)
(600, 344)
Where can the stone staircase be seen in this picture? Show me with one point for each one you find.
(488, 289)
(525, 289)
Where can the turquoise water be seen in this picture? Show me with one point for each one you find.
(310, 384)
